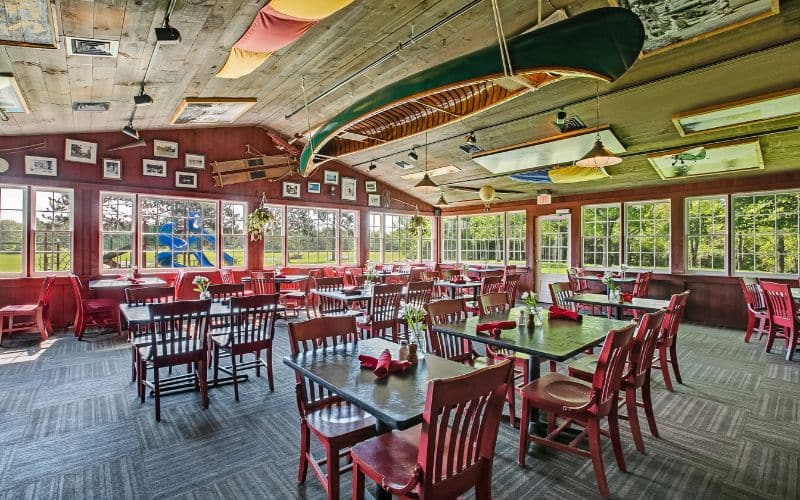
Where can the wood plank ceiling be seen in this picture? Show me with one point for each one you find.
(753, 59)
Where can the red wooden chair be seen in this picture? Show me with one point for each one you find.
(139, 336)
(489, 284)
(337, 424)
(91, 312)
(636, 376)
(226, 275)
(510, 284)
(667, 351)
(225, 291)
(442, 344)
(782, 316)
(34, 315)
(177, 337)
(439, 292)
(262, 282)
(327, 306)
(184, 288)
(640, 290)
(440, 459)
(294, 296)
(576, 283)
(351, 274)
(559, 293)
(756, 308)
(583, 404)
(383, 312)
(250, 331)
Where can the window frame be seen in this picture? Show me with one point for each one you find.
(524, 238)
(27, 262)
(337, 240)
(624, 251)
(356, 235)
(732, 236)
(622, 254)
(134, 232)
(504, 239)
(382, 238)
(728, 228)
(221, 235)
(31, 230)
(457, 240)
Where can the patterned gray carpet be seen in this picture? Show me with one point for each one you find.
(72, 427)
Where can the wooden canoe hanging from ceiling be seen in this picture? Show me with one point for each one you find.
(601, 43)
(276, 25)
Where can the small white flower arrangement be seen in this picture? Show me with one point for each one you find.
(415, 316)
(529, 299)
(201, 285)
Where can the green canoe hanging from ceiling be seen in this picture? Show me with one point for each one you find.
(601, 43)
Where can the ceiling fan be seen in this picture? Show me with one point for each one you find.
(486, 193)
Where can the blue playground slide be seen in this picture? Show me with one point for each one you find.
(181, 246)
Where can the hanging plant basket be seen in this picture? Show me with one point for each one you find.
(416, 223)
(258, 220)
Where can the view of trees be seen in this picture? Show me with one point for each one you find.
(398, 244)
(647, 234)
(706, 233)
(602, 235)
(53, 230)
(311, 236)
(12, 229)
(766, 231)
(554, 241)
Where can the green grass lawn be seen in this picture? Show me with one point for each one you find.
(10, 263)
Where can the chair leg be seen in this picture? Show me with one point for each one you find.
(770, 337)
(593, 428)
(235, 377)
(523, 433)
(157, 393)
(616, 444)
(134, 362)
(673, 357)
(358, 483)
(483, 488)
(141, 377)
(664, 362)
(789, 349)
(270, 378)
(647, 402)
(751, 323)
(216, 363)
(40, 323)
(512, 404)
(633, 418)
(258, 363)
(202, 375)
(305, 446)
(333, 471)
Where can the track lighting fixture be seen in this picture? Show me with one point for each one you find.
(130, 131)
(166, 34)
(372, 166)
(142, 99)
(3, 115)
(561, 117)
(442, 201)
(426, 185)
(470, 145)
(413, 156)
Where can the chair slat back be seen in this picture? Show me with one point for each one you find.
(142, 295)
(499, 273)
(491, 284)
(226, 275)
(451, 273)
(78, 289)
(459, 429)
(430, 275)
(492, 303)
(312, 335)
(781, 306)
(673, 317)
(560, 292)
(643, 345)
(327, 305)
(442, 344)
(610, 365)
(178, 327)
(385, 304)
(226, 291)
(573, 275)
(262, 283)
(419, 293)
(46, 291)
(642, 283)
(753, 296)
(510, 284)
(253, 320)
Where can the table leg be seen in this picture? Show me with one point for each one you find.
(618, 313)
(380, 493)
(278, 287)
(452, 292)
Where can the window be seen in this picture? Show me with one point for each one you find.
(398, 246)
(375, 237)
(482, 238)
(449, 239)
(647, 234)
(273, 240)
(426, 240)
(311, 238)
(600, 235)
(766, 230)
(234, 235)
(516, 237)
(116, 231)
(348, 228)
(707, 234)
(52, 227)
(12, 230)
(178, 232)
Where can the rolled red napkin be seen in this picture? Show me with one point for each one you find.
(371, 362)
(626, 297)
(495, 325)
(558, 313)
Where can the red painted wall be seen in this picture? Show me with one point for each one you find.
(217, 144)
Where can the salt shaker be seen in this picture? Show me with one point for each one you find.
(403, 354)
(412, 354)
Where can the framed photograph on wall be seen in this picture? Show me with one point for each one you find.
(371, 186)
(374, 200)
(154, 168)
(349, 189)
(291, 189)
(80, 151)
(314, 187)
(40, 165)
(331, 177)
(165, 149)
(195, 161)
(112, 169)
(185, 179)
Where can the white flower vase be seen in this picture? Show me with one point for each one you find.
(205, 295)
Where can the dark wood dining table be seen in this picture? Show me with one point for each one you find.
(279, 280)
(122, 283)
(601, 299)
(345, 298)
(469, 284)
(557, 340)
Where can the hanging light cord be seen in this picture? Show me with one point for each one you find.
(505, 58)
(308, 115)
(597, 108)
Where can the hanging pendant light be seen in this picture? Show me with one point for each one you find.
(598, 156)
(426, 184)
(442, 201)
